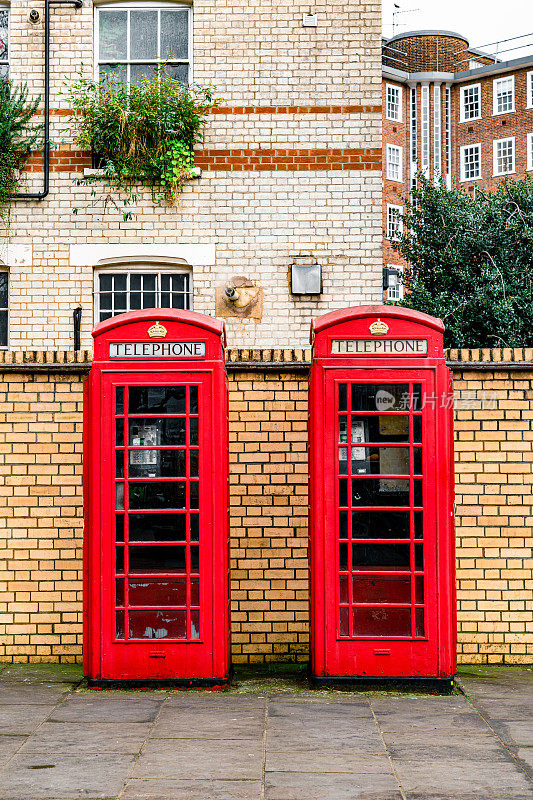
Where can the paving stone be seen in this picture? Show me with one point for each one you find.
(306, 786)
(215, 700)
(191, 790)
(525, 754)
(62, 777)
(424, 748)
(92, 737)
(200, 759)
(306, 711)
(514, 732)
(505, 709)
(207, 723)
(19, 693)
(102, 709)
(20, 719)
(324, 738)
(450, 724)
(463, 779)
(9, 746)
(303, 760)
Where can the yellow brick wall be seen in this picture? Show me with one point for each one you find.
(41, 508)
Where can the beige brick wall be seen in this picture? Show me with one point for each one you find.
(40, 485)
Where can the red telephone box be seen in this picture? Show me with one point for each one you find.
(383, 599)
(156, 596)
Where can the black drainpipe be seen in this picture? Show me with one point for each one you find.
(46, 145)
(76, 316)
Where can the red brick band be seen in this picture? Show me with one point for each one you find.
(227, 110)
(239, 160)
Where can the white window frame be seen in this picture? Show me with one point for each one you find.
(529, 90)
(495, 94)
(394, 148)
(495, 144)
(5, 271)
(463, 150)
(6, 7)
(397, 293)
(136, 269)
(394, 222)
(464, 89)
(398, 90)
(424, 123)
(530, 151)
(142, 4)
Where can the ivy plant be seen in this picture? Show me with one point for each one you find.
(470, 261)
(18, 137)
(142, 133)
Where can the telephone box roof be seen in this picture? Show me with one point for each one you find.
(210, 324)
(358, 312)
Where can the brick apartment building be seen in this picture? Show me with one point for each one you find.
(453, 112)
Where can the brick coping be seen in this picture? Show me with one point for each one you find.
(297, 359)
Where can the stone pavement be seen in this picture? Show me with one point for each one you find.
(266, 739)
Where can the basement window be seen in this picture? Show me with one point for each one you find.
(132, 39)
(116, 292)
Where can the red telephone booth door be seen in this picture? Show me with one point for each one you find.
(380, 577)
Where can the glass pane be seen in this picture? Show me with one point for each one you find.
(158, 527)
(380, 397)
(119, 459)
(382, 589)
(417, 429)
(175, 34)
(162, 558)
(178, 73)
(158, 592)
(193, 431)
(157, 463)
(157, 494)
(193, 399)
(136, 282)
(418, 491)
(106, 283)
(149, 282)
(135, 301)
(155, 432)
(157, 400)
(4, 34)
(119, 630)
(106, 301)
(342, 397)
(194, 494)
(193, 463)
(417, 397)
(3, 290)
(382, 556)
(179, 300)
(143, 34)
(386, 429)
(119, 560)
(384, 460)
(195, 591)
(113, 73)
(158, 624)
(344, 624)
(343, 492)
(343, 429)
(343, 589)
(120, 282)
(195, 624)
(380, 492)
(343, 524)
(119, 591)
(119, 398)
(119, 528)
(382, 621)
(418, 460)
(380, 525)
(121, 302)
(343, 461)
(119, 428)
(419, 556)
(419, 622)
(419, 588)
(140, 72)
(343, 555)
(419, 525)
(120, 497)
(113, 35)
(195, 558)
(195, 528)
(3, 328)
(149, 300)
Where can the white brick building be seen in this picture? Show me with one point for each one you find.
(291, 168)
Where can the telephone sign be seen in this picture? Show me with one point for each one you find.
(156, 597)
(381, 497)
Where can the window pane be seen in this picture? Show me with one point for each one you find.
(149, 283)
(140, 71)
(376, 397)
(113, 33)
(3, 328)
(381, 556)
(380, 492)
(158, 592)
(106, 283)
(158, 624)
(4, 35)
(382, 589)
(158, 527)
(157, 464)
(175, 34)
(380, 524)
(382, 621)
(113, 73)
(3, 289)
(157, 495)
(158, 558)
(120, 283)
(143, 34)
(178, 73)
(157, 400)
(157, 432)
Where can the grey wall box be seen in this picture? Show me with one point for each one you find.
(306, 279)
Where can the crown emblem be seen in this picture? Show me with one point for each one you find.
(157, 331)
(379, 328)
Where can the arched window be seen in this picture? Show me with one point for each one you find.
(121, 286)
(132, 38)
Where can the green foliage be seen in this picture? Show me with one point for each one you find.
(143, 133)
(17, 138)
(471, 261)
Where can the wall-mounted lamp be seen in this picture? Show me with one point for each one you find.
(306, 277)
(34, 16)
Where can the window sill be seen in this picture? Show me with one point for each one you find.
(101, 173)
(503, 174)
